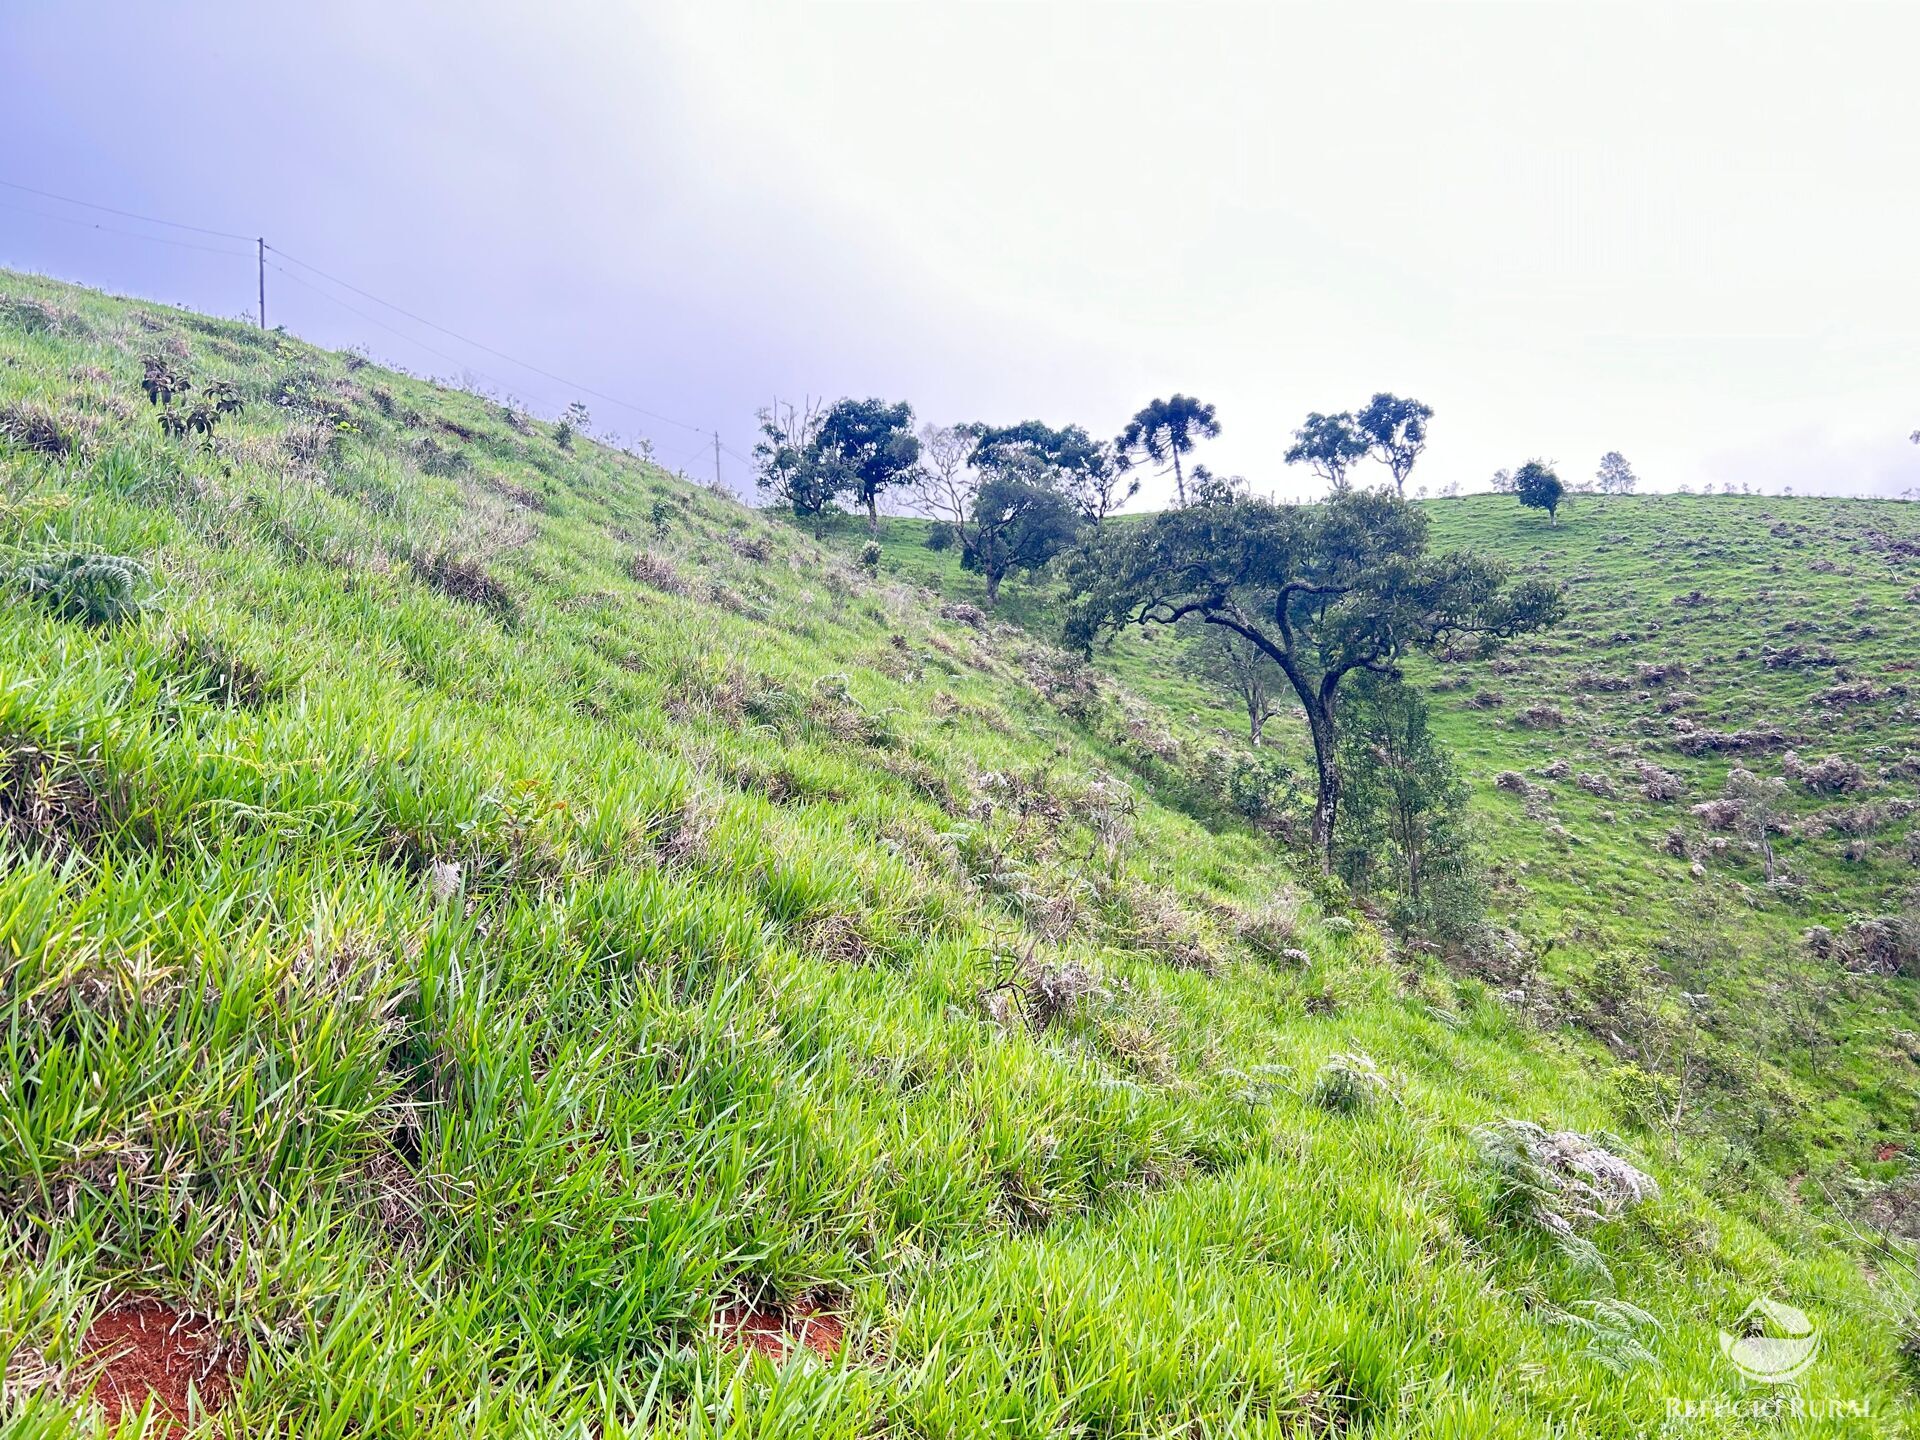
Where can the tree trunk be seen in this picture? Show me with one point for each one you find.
(1179, 480)
(993, 590)
(1256, 723)
(1326, 804)
(873, 511)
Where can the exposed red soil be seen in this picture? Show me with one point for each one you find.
(777, 1331)
(146, 1348)
(1886, 1151)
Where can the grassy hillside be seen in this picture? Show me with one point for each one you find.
(1705, 634)
(496, 942)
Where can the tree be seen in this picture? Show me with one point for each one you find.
(1502, 482)
(1322, 590)
(1008, 505)
(1395, 431)
(944, 485)
(1615, 476)
(786, 458)
(1756, 806)
(864, 447)
(1406, 806)
(1099, 484)
(1538, 488)
(1239, 667)
(1329, 445)
(1164, 430)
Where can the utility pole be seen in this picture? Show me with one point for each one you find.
(263, 281)
(718, 483)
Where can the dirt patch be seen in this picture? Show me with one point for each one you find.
(779, 1331)
(145, 1348)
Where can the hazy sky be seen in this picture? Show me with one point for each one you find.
(1685, 231)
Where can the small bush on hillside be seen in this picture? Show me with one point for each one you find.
(91, 588)
(1833, 775)
(870, 557)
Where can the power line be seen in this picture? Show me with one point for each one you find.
(116, 230)
(375, 320)
(126, 214)
(344, 284)
(481, 345)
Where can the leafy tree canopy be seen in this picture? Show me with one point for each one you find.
(1538, 488)
(1322, 590)
(863, 447)
(1395, 430)
(1329, 445)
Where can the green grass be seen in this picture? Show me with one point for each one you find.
(496, 906)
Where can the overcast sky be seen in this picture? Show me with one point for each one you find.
(1686, 232)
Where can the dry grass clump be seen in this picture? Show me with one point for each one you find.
(1659, 785)
(40, 317)
(657, 572)
(39, 428)
(466, 580)
(1833, 775)
(49, 802)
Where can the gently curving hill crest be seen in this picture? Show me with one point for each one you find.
(509, 942)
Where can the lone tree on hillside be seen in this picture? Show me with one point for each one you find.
(1328, 445)
(1006, 501)
(1615, 476)
(863, 447)
(1321, 590)
(1756, 805)
(1538, 488)
(1395, 431)
(1164, 430)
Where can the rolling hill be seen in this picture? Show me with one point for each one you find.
(499, 941)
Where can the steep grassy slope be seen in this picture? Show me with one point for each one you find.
(499, 924)
(1705, 634)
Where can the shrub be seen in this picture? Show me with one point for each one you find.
(1832, 776)
(657, 572)
(91, 588)
(870, 557)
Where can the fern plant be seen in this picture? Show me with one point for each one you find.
(94, 589)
